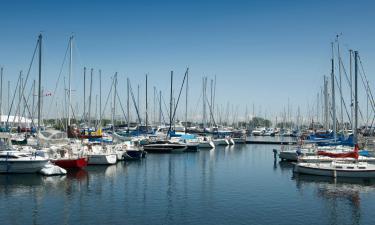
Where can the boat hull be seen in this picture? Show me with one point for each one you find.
(221, 142)
(206, 144)
(102, 159)
(77, 163)
(311, 169)
(133, 154)
(25, 166)
(164, 148)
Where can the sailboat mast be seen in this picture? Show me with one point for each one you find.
(114, 102)
(84, 95)
(160, 108)
(351, 86)
(70, 75)
(186, 100)
(100, 97)
(340, 83)
(40, 82)
(355, 96)
(333, 96)
(146, 107)
(170, 104)
(128, 103)
(90, 94)
(326, 126)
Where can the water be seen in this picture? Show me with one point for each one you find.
(232, 185)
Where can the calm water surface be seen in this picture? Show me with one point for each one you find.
(232, 185)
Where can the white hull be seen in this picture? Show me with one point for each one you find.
(102, 159)
(230, 141)
(221, 142)
(120, 155)
(332, 170)
(31, 166)
(206, 144)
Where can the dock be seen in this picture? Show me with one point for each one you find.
(272, 142)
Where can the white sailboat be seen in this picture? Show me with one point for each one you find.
(339, 167)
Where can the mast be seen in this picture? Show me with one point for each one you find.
(114, 102)
(40, 82)
(33, 106)
(70, 76)
(100, 97)
(146, 108)
(333, 96)
(91, 74)
(170, 104)
(325, 91)
(84, 94)
(139, 120)
(186, 100)
(154, 105)
(160, 108)
(128, 103)
(351, 86)
(211, 100)
(340, 83)
(355, 97)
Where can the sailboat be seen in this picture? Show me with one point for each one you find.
(166, 146)
(70, 161)
(339, 167)
(14, 161)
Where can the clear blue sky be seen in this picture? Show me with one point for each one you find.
(262, 52)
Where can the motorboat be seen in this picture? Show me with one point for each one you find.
(164, 147)
(12, 161)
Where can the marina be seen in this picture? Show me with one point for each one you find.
(187, 112)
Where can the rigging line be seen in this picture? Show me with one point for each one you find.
(14, 96)
(179, 95)
(196, 106)
(58, 81)
(27, 77)
(166, 108)
(134, 102)
(367, 82)
(210, 107)
(367, 92)
(27, 106)
(122, 109)
(162, 114)
(343, 101)
(106, 102)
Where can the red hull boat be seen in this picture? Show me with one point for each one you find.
(77, 163)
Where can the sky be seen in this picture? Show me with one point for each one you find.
(263, 53)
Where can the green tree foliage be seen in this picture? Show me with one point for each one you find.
(260, 122)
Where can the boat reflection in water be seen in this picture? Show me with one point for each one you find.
(337, 193)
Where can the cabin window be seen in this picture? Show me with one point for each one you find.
(350, 167)
(361, 167)
(338, 167)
